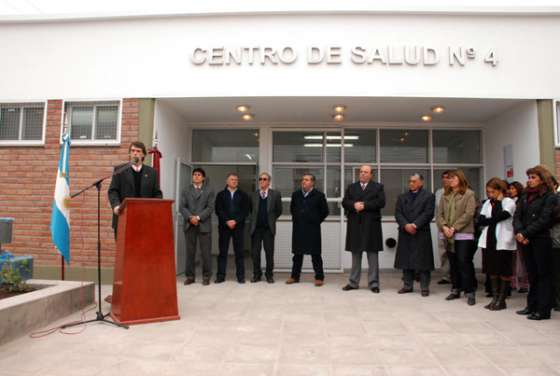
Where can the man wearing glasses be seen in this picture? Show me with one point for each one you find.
(265, 209)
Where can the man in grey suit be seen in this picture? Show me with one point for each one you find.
(266, 207)
(197, 205)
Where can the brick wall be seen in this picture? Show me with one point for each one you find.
(27, 178)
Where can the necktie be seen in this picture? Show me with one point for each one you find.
(363, 186)
(263, 195)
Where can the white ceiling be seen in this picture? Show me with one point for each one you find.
(320, 110)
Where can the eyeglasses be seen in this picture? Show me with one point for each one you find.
(263, 179)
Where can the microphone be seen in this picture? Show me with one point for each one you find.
(121, 168)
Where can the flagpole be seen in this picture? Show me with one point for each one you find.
(62, 267)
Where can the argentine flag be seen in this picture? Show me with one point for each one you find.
(60, 219)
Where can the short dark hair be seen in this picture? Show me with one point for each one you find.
(139, 145)
(232, 174)
(199, 170)
(309, 174)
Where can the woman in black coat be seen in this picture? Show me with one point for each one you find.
(532, 222)
(414, 212)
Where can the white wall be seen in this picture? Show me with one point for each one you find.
(519, 127)
(150, 57)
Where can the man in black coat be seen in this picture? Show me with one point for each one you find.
(362, 203)
(232, 208)
(309, 209)
(132, 180)
(414, 212)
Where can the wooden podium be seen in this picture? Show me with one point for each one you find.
(145, 287)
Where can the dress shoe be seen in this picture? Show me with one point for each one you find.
(375, 290)
(241, 280)
(349, 287)
(319, 282)
(256, 279)
(443, 281)
(189, 281)
(109, 299)
(425, 292)
(522, 290)
(524, 311)
(557, 309)
(219, 280)
(270, 279)
(291, 281)
(453, 296)
(205, 281)
(404, 290)
(471, 300)
(538, 316)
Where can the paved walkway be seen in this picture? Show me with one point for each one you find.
(262, 329)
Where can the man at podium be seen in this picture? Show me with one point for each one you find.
(134, 179)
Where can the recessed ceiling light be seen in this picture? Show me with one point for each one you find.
(339, 109)
(243, 108)
(438, 109)
(426, 118)
(247, 117)
(338, 117)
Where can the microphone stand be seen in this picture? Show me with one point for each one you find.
(99, 314)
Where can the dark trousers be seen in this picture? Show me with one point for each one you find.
(462, 266)
(556, 276)
(192, 237)
(408, 278)
(538, 260)
(317, 262)
(262, 237)
(225, 234)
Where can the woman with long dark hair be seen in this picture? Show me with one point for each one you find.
(532, 222)
(455, 221)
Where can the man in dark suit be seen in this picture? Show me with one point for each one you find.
(414, 212)
(362, 203)
(309, 209)
(265, 210)
(137, 180)
(232, 208)
(197, 205)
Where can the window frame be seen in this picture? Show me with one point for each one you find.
(66, 121)
(22, 104)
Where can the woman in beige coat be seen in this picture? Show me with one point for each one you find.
(455, 221)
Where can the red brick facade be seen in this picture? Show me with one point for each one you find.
(27, 178)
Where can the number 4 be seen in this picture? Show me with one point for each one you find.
(491, 58)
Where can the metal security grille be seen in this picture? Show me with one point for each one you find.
(90, 121)
(21, 121)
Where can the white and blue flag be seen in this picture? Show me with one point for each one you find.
(60, 219)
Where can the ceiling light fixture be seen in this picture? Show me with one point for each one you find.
(339, 109)
(338, 117)
(438, 109)
(247, 117)
(243, 108)
(426, 118)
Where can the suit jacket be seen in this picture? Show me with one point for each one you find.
(534, 219)
(465, 208)
(363, 232)
(242, 205)
(200, 204)
(273, 208)
(415, 251)
(307, 215)
(122, 186)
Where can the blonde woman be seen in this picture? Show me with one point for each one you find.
(455, 221)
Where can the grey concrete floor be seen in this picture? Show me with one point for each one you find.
(276, 329)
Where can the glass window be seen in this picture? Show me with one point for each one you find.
(473, 175)
(288, 179)
(297, 146)
(225, 145)
(360, 145)
(93, 121)
(404, 146)
(457, 146)
(395, 182)
(216, 176)
(334, 147)
(27, 116)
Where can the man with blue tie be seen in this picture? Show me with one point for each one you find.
(232, 208)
